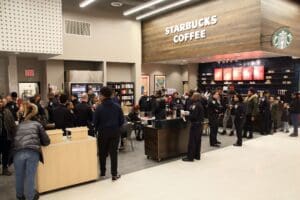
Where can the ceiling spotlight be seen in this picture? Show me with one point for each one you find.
(116, 4)
(85, 3)
(159, 10)
(142, 7)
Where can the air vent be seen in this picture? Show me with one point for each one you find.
(77, 28)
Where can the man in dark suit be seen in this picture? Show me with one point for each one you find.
(214, 111)
(108, 119)
(83, 112)
(62, 117)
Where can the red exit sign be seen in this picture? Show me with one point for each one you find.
(29, 73)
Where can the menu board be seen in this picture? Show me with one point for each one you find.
(218, 75)
(259, 73)
(248, 73)
(227, 74)
(237, 73)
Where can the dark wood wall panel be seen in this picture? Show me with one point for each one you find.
(277, 14)
(238, 30)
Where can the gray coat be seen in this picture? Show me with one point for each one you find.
(30, 135)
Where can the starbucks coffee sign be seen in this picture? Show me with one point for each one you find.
(282, 38)
(191, 30)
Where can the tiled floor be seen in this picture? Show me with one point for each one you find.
(129, 161)
(266, 168)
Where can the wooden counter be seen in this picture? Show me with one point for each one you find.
(68, 163)
(166, 142)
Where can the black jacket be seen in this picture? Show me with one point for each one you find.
(214, 110)
(30, 135)
(196, 112)
(295, 106)
(239, 111)
(84, 114)
(265, 107)
(159, 109)
(145, 104)
(52, 104)
(9, 124)
(13, 108)
(285, 117)
(133, 117)
(108, 116)
(63, 118)
(176, 104)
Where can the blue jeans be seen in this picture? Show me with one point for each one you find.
(25, 163)
(295, 122)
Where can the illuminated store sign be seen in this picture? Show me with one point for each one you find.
(180, 30)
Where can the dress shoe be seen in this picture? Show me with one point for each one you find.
(237, 145)
(287, 131)
(215, 145)
(294, 135)
(36, 196)
(114, 178)
(231, 133)
(6, 172)
(249, 137)
(197, 158)
(186, 159)
(244, 136)
(21, 198)
(218, 142)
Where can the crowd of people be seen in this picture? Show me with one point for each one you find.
(23, 123)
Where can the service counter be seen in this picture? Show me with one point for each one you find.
(166, 138)
(68, 161)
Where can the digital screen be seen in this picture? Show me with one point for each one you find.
(248, 73)
(259, 73)
(218, 75)
(227, 74)
(237, 73)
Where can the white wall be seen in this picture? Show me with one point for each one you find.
(55, 73)
(113, 39)
(120, 72)
(173, 75)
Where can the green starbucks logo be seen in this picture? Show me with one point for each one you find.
(282, 38)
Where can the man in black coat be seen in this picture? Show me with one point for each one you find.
(145, 103)
(265, 110)
(214, 111)
(62, 117)
(12, 105)
(295, 113)
(108, 119)
(7, 131)
(83, 112)
(196, 117)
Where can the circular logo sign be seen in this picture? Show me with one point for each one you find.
(282, 38)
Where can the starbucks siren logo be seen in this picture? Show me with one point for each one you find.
(282, 38)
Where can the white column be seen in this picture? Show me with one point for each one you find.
(104, 73)
(12, 74)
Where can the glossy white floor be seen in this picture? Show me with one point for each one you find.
(267, 168)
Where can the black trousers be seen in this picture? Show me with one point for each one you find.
(239, 131)
(213, 133)
(267, 123)
(4, 151)
(194, 146)
(248, 126)
(108, 142)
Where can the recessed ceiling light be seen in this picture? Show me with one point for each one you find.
(159, 10)
(142, 7)
(116, 4)
(85, 3)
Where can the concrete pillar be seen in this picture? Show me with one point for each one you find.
(12, 74)
(104, 73)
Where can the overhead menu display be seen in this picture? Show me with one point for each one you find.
(191, 26)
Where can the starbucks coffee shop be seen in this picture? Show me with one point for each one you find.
(220, 43)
